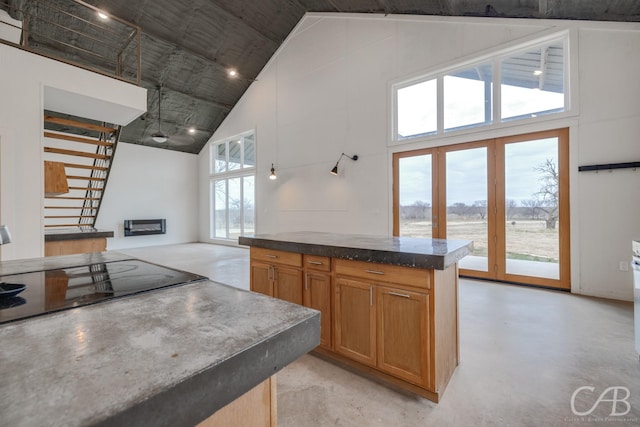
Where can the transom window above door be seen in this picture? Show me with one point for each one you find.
(514, 84)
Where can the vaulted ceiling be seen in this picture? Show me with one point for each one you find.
(189, 47)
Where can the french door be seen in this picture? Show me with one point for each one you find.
(509, 195)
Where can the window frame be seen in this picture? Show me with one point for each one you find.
(243, 171)
(494, 56)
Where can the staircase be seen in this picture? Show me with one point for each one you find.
(86, 149)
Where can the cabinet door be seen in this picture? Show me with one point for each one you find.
(355, 335)
(261, 278)
(287, 284)
(403, 334)
(317, 295)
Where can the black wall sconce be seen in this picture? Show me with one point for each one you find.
(273, 176)
(334, 171)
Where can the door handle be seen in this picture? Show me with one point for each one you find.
(399, 295)
(370, 295)
(375, 272)
(306, 280)
(271, 256)
(316, 262)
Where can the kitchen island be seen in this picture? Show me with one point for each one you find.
(389, 304)
(171, 356)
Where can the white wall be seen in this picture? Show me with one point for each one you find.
(151, 183)
(327, 91)
(23, 80)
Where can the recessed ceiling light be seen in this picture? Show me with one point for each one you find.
(233, 73)
(192, 130)
(537, 72)
(103, 15)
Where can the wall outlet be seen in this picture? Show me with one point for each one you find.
(623, 266)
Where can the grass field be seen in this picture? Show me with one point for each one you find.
(525, 239)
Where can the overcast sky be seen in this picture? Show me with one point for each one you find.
(467, 175)
(466, 169)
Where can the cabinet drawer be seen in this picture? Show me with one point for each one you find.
(314, 262)
(277, 257)
(416, 277)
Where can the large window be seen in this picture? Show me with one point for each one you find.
(517, 84)
(417, 109)
(467, 97)
(533, 82)
(509, 195)
(232, 187)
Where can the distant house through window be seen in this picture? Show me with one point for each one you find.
(232, 173)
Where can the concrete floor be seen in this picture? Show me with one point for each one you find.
(524, 352)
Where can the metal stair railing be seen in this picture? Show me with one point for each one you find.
(97, 182)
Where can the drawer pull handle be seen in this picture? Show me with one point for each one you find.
(271, 256)
(316, 262)
(399, 295)
(375, 272)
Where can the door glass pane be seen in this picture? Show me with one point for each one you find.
(531, 206)
(467, 97)
(248, 204)
(219, 197)
(533, 82)
(415, 196)
(467, 203)
(417, 109)
(235, 208)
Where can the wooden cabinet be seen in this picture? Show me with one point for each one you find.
(255, 408)
(261, 278)
(384, 327)
(355, 321)
(80, 246)
(277, 274)
(403, 334)
(414, 277)
(317, 295)
(287, 284)
(396, 323)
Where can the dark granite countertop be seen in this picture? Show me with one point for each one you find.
(75, 234)
(404, 251)
(168, 357)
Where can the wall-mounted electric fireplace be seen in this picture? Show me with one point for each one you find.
(142, 227)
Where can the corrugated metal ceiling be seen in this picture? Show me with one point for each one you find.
(189, 46)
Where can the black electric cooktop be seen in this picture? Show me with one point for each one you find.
(66, 288)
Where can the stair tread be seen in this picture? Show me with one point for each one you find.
(77, 124)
